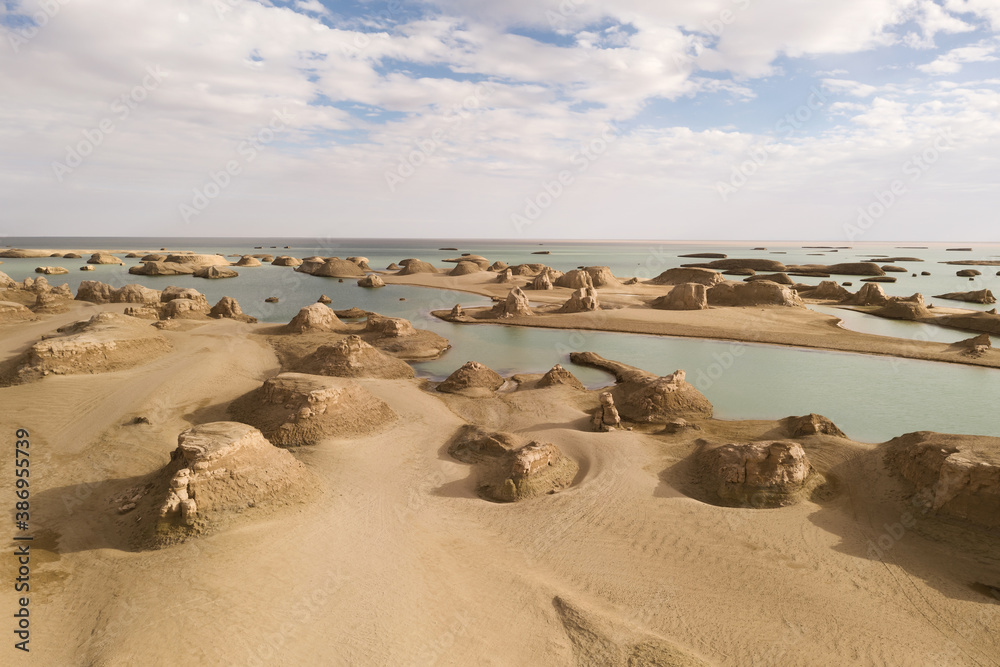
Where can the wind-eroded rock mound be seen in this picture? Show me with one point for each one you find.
(353, 357)
(575, 279)
(756, 474)
(465, 268)
(869, 295)
(412, 266)
(811, 424)
(104, 343)
(557, 375)
(956, 476)
(975, 347)
(644, 397)
(509, 470)
(826, 290)
(515, 305)
(978, 296)
(157, 268)
(295, 409)
(229, 308)
(314, 317)
(735, 263)
(686, 296)
(333, 267)
(601, 276)
(371, 281)
(221, 473)
(759, 293)
(215, 272)
(706, 277)
(472, 379)
(104, 258)
(98, 292)
(910, 308)
(248, 261)
(583, 300)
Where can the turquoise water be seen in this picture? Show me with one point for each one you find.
(872, 398)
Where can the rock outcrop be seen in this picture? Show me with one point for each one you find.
(734, 263)
(911, 308)
(412, 266)
(52, 270)
(221, 473)
(333, 267)
(215, 272)
(293, 409)
(601, 276)
(285, 260)
(465, 268)
(104, 258)
(582, 300)
(371, 280)
(811, 424)
(644, 397)
(472, 379)
(575, 279)
(508, 470)
(760, 293)
(869, 295)
(984, 322)
(827, 290)
(314, 317)
(162, 269)
(104, 343)
(505, 276)
(686, 296)
(541, 282)
(354, 358)
(228, 308)
(557, 375)
(248, 261)
(780, 278)
(956, 476)
(606, 418)
(15, 312)
(984, 296)
(757, 474)
(976, 346)
(515, 305)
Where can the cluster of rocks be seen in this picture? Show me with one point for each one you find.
(171, 303)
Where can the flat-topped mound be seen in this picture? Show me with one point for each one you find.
(104, 343)
(759, 293)
(956, 476)
(293, 409)
(221, 474)
(697, 275)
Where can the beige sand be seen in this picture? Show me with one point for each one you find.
(398, 562)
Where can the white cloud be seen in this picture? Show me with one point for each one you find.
(951, 62)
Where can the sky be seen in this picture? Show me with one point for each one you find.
(855, 120)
